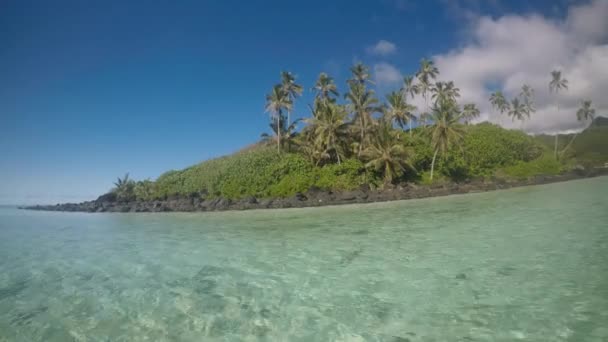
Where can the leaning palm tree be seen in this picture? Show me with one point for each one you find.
(387, 155)
(446, 130)
(470, 112)
(556, 84)
(398, 110)
(325, 87)
(362, 103)
(293, 90)
(427, 73)
(584, 114)
(329, 129)
(360, 74)
(277, 101)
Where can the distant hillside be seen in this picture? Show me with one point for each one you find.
(589, 148)
(599, 121)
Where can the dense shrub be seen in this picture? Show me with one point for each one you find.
(487, 147)
(259, 172)
(546, 165)
(348, 175)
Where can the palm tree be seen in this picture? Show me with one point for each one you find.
(123, 188)
(470, 112)
(446, 130)
(499, 102)
(527, 94)
(360, 74)
(425, 75)
(410, 89)
(556, 84)
(277, 101)
(398, 110)
(281, 131)
(387, 155)
(362, 103)
(517, 110)
(445, 91)
(293, 90)
(585, 113)
(325, 87)
(329, 130)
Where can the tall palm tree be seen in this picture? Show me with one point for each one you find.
(527, 94)
(446, 130)
(517, 110)
(329, 129)
(362, 103)
(387, 155)
(556, 84)
(277, 101)
(360, 74)
(425, 75)
(499, 102)
(584, 114)
(293, 90)
(445, 91)
(470, 112)
(409, 88)
(398, 110)
(325, 87)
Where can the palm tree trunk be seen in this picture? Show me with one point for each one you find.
(410, 124)
(279, 133)
(556, 137)
(570, 143)
(433, 163)
(426, 104)
(362, 136)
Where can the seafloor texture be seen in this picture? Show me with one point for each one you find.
(527, 263)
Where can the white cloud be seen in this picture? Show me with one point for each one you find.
(386, 75)
(382, 48)
(512, 50)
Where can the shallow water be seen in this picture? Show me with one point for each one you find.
(523, 264)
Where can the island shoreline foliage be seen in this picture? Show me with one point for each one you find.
(355, 140)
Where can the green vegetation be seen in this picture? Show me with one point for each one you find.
(360, 141)
(541, 166)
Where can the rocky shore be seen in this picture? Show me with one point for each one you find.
(312, 198)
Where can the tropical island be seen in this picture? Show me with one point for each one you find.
(355, 148)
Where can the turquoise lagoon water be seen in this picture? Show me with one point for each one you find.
(526, 264)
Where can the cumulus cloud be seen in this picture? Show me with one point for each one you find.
(382, 48)
(506, 52)
(386, 75)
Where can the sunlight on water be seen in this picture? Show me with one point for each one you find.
(524, 264)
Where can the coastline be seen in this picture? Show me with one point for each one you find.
(313, 197)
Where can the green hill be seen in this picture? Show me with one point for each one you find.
(487, 150)
(589, 148)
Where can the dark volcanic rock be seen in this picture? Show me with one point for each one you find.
(109, 197)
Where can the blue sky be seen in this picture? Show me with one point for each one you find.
(90, 90)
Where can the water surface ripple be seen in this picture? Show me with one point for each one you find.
(525, 264)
